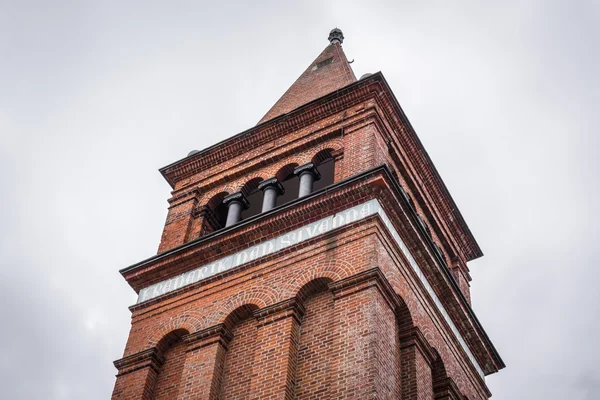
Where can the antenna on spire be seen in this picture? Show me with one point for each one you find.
(336, 36)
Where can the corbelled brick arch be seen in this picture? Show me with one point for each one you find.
(250, 184)
(444, 387)
(206, 212)
(256, 298)
(333, 271)
(284, 169)
(189, 322)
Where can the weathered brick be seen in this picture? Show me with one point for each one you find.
(340, 316)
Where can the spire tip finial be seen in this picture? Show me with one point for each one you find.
(336, 36)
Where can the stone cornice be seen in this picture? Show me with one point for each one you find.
(150, 358)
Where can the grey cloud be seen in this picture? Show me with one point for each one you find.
(96, 96)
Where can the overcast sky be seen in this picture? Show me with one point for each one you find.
(95, 96)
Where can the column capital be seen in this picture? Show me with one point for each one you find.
(151, 358)
(237, 197)
(413, 337)
(308, 168)
(215, 334)
(446, 389)
(272, 183)
(363, 280)
(284, 309)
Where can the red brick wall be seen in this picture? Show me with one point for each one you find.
(136, 384)
(345, 340)
(237, 370)
(314, 373)
(169, 376)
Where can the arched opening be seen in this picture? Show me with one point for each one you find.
(216, 214)
(239, 359)
(324, 162)
(289, 181)
(254, 197)
(315, 345)
(443, 386)
(168, 380)
(438, 370)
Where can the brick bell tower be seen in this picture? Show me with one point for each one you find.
(317, 255)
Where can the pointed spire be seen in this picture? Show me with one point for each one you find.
(329, 72)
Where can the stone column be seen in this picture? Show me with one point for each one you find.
(236, 203)
(271, 189)
(203, 369)
(274, 370)
(308, 174)
(137, 375)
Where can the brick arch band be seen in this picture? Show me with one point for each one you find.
(313, 285)
(312, 154)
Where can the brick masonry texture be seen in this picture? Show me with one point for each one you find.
(340, 316)
(327, 73)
